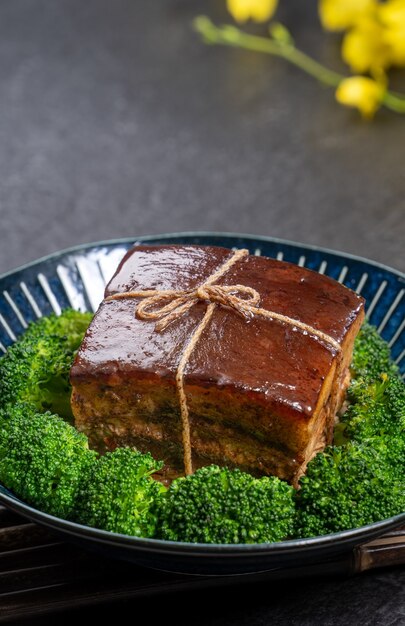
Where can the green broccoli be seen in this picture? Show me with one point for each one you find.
(220, 505)
(371, 355)
(347, 487)
(47, 463)
(36, 368)
(363, 480)
(119, 494)
(42, 459)
(375, 409)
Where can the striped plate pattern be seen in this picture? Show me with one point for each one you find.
(77, 278)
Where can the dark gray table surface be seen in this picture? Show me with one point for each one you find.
(117, 121)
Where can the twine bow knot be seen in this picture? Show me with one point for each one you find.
(165, 306)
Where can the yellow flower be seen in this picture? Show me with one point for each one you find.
(392, 16)
(364, 47)
(257, 10)
(361, 92)
(342, 14)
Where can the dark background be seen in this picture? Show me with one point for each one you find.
(117, 121)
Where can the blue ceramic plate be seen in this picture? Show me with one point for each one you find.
(76, 278)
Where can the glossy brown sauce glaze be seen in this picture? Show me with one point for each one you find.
(272, 363)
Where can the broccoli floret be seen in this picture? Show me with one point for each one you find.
(119, 494)
(220, 505)
(371, 355)
(347, 487)
(376, 409)
(42, 459)
(362, 480)
(36, 368)
(47, 463)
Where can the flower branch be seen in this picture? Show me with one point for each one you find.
(366, 93)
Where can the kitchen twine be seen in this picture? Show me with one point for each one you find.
(165, 306)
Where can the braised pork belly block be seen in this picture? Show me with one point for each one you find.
(262, 393)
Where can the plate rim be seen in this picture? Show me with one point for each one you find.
(363, 533)
(146, 238)
(201, 549)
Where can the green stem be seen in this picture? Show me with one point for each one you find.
(395, 102)
(232, 36)
(312, 67)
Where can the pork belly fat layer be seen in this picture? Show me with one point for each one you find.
(262, 394)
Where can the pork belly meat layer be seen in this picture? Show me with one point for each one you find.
(262, 394)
